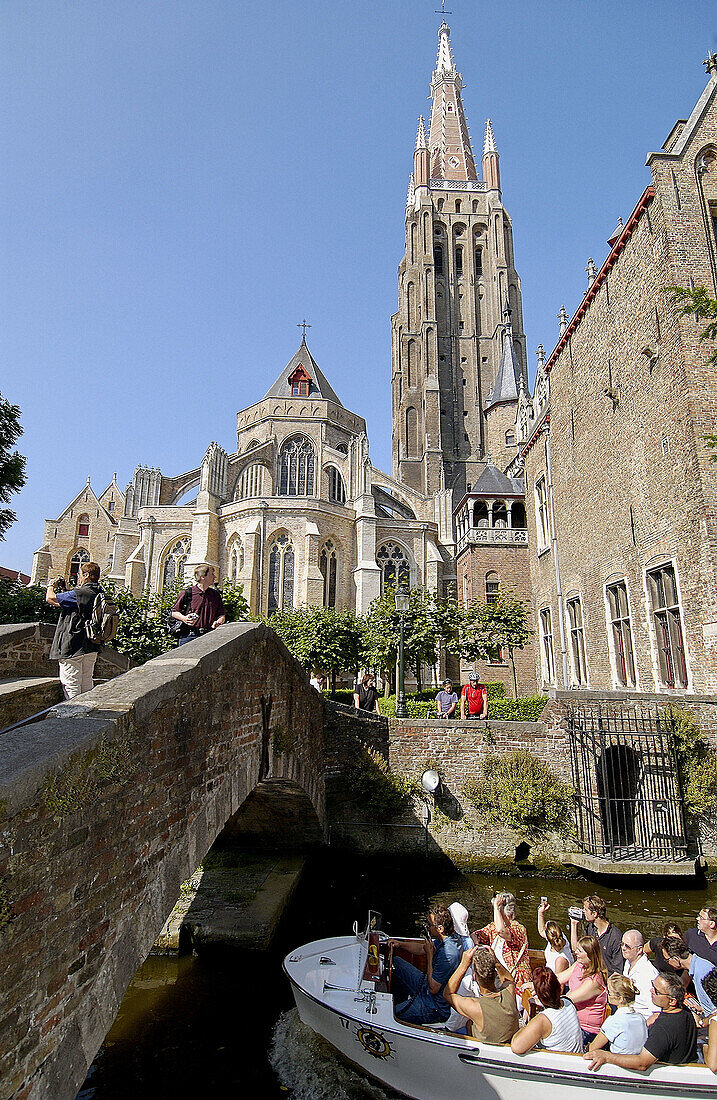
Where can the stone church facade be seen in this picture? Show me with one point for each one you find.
(298, 514)
(615, 541)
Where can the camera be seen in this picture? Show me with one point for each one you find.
(575, 912)
(543, 901)
(59, 584)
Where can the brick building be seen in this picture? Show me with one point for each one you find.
(620, 491)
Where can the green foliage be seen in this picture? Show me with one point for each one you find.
(25, 604)
(430, 625)
(5, 906)
(321, 638)
(486, 628)
(697, 302)
(12, 464)
(235, 606)
(696, 762)
(369, 782)
(520, 791)
(526, 708)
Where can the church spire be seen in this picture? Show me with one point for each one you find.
(449, 142)
(491, 168)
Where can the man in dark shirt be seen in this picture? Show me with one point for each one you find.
(672, 1038)
(702, 940)
(70, 645)
(418, 997)
(206, 607)
(365, 695)
(608, 935)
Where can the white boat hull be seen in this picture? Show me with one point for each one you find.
(433, 1065)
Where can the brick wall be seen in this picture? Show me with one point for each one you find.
(25, 651)
(107, 808)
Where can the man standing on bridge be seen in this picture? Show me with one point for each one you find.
(71, 646)
(200, 607)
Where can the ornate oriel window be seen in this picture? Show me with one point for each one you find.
(281, 575)
(174, 561)
(296, 467)
(235, 558)
(75, 562)
(327, 565)
(395, 568)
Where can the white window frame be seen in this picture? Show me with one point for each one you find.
(609, 630)
(547, 654)
(542, 514)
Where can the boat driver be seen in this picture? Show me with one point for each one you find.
(418, 997)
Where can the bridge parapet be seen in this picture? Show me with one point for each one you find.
(107, 807)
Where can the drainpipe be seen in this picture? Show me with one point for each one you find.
(556, 562)
(262, 536)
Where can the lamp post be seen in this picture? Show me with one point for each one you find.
(402, 603)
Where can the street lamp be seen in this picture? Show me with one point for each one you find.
(402, 603)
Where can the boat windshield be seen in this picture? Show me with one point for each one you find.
(373, 924)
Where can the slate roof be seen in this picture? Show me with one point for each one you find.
(492, 483)
(319, 386)
(506, 382)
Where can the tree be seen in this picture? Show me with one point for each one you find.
(697, 302)
(320, 638)
(429, 624)
(488, 628)
(12, 464)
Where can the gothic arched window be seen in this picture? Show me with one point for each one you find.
(251, 482)
(492, 587)
(235, 558)
(281, 575)
(393, 562)
(337, 492)
(327, 565)
(174, 561)
(83, 526)
(76, 560)
(296, 467)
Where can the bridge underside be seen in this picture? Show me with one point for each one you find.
(277, 814)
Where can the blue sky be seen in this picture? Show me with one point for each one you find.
(182, 181)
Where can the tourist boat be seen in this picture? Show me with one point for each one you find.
(338, 991)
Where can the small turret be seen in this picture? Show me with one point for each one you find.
(491, 168)
(421, 166)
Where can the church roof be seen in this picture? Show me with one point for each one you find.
(449, 142)
(319, 387)
(492, 483)
(506, 382)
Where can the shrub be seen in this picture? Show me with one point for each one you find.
(696, 761)
(521, 791)
(527, 708)
(371, 784)
(21, 603)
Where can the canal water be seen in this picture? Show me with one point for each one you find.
(223, 1025)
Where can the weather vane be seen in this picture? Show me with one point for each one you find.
(443, 9)
(304, 324)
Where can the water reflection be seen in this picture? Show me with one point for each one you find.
(205, 1027)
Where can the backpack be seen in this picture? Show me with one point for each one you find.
(173, 626)
(102, 624)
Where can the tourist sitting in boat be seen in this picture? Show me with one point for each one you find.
(607, 934)
(671, 1038)
(655, 948)
(418, 997)
(587, 981)
(639, 970)
(492, 1015)
(555, 1028)
(702, 940)
(508, 940)
(709, 1051)
(626, 1028)
(558, 954)
(683, 959)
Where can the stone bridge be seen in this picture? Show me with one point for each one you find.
(110, 804)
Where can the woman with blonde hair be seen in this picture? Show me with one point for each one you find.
(626, 1029)
(586, 980)
(558, 954)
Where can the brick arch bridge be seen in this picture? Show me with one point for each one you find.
(109, 805)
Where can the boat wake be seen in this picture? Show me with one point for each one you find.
(311, 1069)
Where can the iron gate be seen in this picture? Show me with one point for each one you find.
(629, 802)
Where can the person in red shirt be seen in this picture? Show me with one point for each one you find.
(474, 699)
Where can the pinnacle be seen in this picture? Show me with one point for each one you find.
(445, 57)
(489, 143)
(421, 140)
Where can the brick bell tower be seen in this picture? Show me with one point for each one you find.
(454, 282)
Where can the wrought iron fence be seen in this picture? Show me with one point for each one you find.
(629, 802)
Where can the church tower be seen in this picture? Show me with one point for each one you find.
(459, 300)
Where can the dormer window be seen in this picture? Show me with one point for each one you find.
(300, 382)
